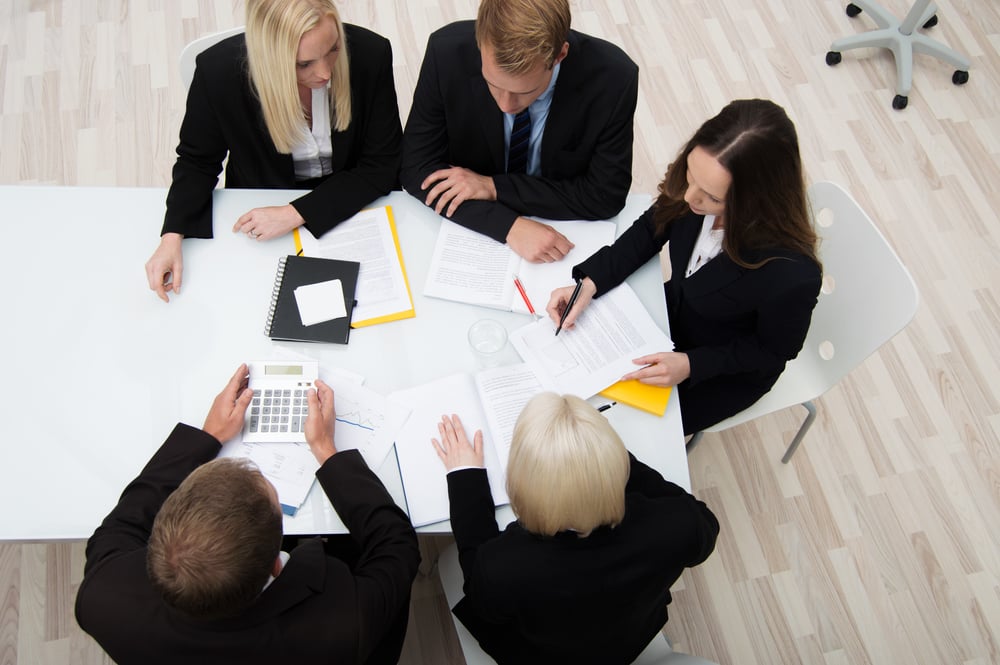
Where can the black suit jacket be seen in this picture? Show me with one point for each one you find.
(600, 599)
(586, 152)
(224, 117)
(739, 326)
(316, 610)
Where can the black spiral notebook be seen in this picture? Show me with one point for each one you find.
(284, 320)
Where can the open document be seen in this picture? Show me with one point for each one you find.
(490, 401)
(369, 237)
(598, 350)
(472, 268)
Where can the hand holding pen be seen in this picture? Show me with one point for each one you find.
(568, 302)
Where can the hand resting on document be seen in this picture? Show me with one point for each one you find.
(454, 448)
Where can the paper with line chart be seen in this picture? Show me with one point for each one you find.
(366, 421)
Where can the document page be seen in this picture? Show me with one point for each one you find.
(369, 238)
(540, 279)
(503, 392)
(472, 268)
(468, 267)
(598, 350)
(424, 477)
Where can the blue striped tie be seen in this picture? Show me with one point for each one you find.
(517, 154)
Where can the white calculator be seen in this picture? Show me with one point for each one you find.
(279, 407)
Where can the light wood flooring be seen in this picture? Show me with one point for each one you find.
(880, 541)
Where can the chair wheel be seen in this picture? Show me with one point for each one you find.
(833, 58)
(899, 102)
(931, 22)
(960, 77)
(852, 10)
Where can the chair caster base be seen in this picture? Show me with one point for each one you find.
(899, 102)
(960, 77)
(852, 10)
(833, 58)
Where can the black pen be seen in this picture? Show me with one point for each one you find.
(605, 407)
(569, 305)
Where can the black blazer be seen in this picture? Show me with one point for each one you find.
(586, 152)
(738, 326)
(224, 117)
(600, 599)
(317, 610)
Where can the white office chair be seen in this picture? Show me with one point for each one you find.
(901, 38)
(192, 50)
(658, 652)
(867, 297)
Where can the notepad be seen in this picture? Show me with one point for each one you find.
(287, 321)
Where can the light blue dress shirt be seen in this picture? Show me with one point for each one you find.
(539, 112)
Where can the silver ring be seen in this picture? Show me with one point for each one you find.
(253, 234)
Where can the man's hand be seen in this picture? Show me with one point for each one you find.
(164, 267)
(270, 222)
(225, 418)
(451, 186)
(454, 449)
(560, 298)
(320, 422)
(663, 369)
(537, 242)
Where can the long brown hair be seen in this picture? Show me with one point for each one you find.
(766, 205)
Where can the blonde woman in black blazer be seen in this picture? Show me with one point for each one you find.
(584, 574)
(251, 101)
(738, 315)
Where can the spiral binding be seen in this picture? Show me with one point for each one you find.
(278, 277)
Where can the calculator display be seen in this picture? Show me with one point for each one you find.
(283, 370)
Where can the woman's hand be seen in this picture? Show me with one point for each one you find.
(662, 369)
(454, 449)
(164, 267)
(270, 222)
(560, 298)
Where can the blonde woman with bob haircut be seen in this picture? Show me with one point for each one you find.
(301, 100)
(584, 574)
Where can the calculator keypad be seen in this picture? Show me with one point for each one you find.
(279, 411)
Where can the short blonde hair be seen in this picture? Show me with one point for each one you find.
(567, 468)
(274, 28)
(215, 540)
(523, 33)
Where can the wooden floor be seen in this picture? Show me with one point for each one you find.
(880, 542)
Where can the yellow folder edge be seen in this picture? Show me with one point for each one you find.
(395, 316)
(652, 399)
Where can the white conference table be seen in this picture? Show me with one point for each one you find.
(99, 370)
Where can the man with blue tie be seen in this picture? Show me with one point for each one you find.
(515, 114)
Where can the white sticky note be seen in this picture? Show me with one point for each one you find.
(323, 301)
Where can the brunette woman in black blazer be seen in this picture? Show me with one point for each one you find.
(584, 574)
(300, 101)
(745, 275)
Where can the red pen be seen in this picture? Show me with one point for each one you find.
(524, 294)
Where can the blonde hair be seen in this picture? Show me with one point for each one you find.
(274, 28)
(523, 33)
(567, 468)
(214, 542)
